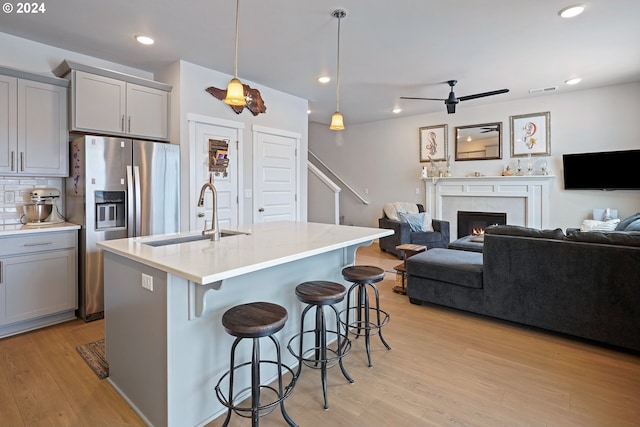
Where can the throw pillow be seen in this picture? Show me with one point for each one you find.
(417, 222)
(628, 220)
(634, 226)
(595, 225)
(391, 210)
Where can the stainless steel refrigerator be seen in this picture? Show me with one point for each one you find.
(118, 188)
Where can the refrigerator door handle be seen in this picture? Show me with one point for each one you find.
(131, 207)
(138, 196)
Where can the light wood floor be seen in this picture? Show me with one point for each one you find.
(446, 368)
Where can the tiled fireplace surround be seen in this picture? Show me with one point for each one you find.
(525, 199)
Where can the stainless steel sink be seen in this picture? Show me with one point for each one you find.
(194, 238)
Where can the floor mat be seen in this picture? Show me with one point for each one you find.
(93, 354)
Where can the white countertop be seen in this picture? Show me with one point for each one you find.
(18, 229)
(268, 245)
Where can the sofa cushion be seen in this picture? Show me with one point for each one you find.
(622, 226)
(447, 265)
(516, 230)
(621, 238)
(391, 209)
(420, 222)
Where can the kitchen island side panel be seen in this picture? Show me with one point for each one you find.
(136, 337)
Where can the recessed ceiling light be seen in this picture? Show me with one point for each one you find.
(324, 79)
(573, 81)
(396, 110)
(571, 11)
(308, 111)
(144, 39)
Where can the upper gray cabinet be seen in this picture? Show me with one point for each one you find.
(111, 103)
(33, 124)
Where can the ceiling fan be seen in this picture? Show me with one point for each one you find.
(451, 101)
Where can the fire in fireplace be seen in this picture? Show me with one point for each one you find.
(474, 223)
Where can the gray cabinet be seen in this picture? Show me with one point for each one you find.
(33, 125)
(111, 103)
(38, 280)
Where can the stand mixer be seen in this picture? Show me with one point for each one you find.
(43, 210)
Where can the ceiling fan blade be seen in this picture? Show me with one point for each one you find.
(481, 95)
(424, 99)
(451, 108)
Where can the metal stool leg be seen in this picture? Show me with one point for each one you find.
(255, 383)
(375, 289)
(280, 387)
(231, 375)
(340, 346)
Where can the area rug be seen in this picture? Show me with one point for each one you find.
(93, 354)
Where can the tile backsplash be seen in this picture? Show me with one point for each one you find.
(14, 192)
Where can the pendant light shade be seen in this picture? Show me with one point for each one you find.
(337, 121)
(235, 93)
(235, 90)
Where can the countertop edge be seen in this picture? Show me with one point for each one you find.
(244, 269)
(25, 229)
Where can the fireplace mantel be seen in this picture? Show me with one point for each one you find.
(524, 198)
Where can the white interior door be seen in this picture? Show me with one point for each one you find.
(226, 184)
(276, 175)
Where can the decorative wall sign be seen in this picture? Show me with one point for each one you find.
(218, 157)
(433, 143)
(255, 104)
(531, 134)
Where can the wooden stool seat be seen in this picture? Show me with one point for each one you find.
(254, 320)
(363, 274)
(320, 292)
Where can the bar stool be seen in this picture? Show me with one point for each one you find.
(363, 276)
(255, 320)
(320, 294)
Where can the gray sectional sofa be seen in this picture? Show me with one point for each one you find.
(586, 284)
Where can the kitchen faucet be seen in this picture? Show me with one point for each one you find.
(214, 231)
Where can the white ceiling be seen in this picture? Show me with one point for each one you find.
(388, 49)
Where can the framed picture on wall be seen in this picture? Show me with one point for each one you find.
(433, 143)
(531, 134)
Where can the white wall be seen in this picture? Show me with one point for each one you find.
(284, 112)
(383, 156)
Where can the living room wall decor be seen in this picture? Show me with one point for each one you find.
(531, 134)
(433, 143)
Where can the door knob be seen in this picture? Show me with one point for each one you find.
(261, 210)
(200, 214)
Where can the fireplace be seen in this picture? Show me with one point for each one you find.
(474, 223)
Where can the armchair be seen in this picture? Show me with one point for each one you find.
(438, 238)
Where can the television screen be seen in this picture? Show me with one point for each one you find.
(608, 170)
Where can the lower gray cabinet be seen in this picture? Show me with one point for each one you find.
(38, 280)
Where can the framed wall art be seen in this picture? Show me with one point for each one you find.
(433, 143)
(531, 134)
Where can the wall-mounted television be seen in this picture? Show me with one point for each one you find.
(606, 170)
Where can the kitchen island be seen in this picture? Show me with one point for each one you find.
(165, 345)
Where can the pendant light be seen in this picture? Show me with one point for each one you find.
(337, 122)
(235, 90)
